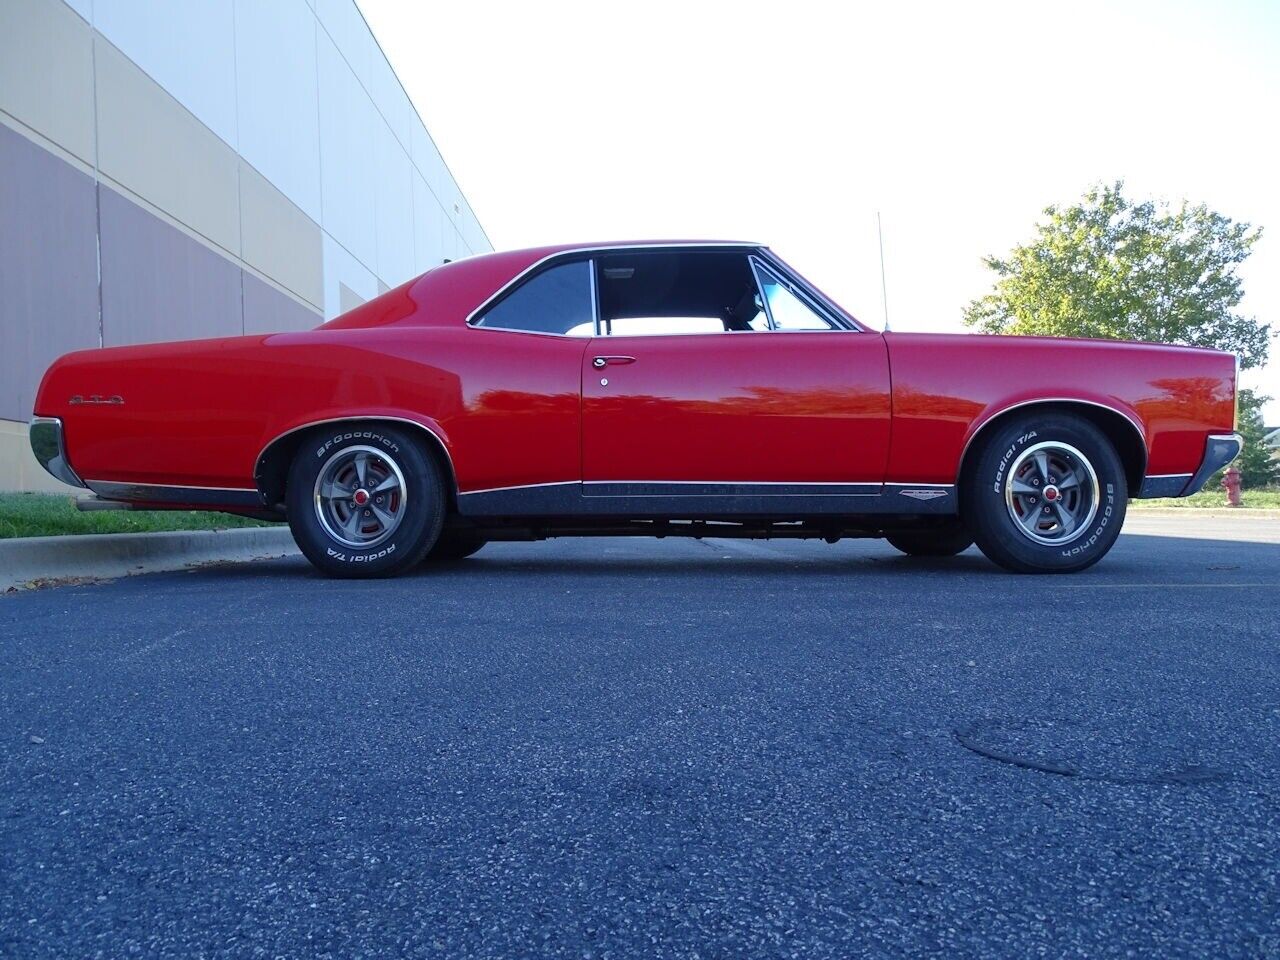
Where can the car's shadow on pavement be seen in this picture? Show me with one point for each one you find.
(1136, 558)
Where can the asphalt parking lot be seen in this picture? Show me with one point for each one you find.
(632, 748)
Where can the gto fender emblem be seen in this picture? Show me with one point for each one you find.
(114, 400)
(924, 494)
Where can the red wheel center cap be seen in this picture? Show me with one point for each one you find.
(1051, 493)
(361, 497)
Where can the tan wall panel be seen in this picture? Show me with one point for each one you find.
(18, 467)
(46, 72)
(348, 299)
(151, 144)
(279, 239)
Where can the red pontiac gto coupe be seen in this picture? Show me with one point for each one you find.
(659, 389)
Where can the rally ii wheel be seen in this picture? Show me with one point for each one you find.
(454, 545)
(364, 501)
(945, 542)
(1045, 493)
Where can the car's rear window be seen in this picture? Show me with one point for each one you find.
(556, 300)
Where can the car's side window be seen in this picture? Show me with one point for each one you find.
(556, 300)
(787, 310)
(671, 291)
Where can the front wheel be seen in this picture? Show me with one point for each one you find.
(1045, 493)
(364, 501)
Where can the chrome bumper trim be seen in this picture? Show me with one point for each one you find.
(163, 493)
(1219, 450)
(50, 450)
(1162, 485)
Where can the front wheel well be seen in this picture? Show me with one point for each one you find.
(271, 472)
(1115, 426)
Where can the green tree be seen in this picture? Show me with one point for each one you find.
(1255, 463)
(1112, 268)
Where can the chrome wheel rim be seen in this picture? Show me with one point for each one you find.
(1052, 493)
(360, 496)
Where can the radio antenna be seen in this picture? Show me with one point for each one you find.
(884, 289)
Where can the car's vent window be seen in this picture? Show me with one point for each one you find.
(655, 292)
(788, 311)
(557, 300)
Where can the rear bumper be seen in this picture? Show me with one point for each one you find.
(1219, 450)
(48, 446)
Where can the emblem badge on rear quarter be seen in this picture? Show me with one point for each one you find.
(114, 400)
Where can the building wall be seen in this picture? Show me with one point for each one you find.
(205, 168)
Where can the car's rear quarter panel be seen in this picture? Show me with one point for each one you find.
(199, 413)
(945, 388)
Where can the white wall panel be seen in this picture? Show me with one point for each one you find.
(469, 228)
(393, 188)
(346, 27)
(427, 249)
(449, 248)
(277, 98)
(391, 101)
(426, 157)
(347, 158)
(187, 47)
(342, 269)
(82, 7)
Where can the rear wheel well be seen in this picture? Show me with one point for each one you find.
(271, 472)
(1128, 442)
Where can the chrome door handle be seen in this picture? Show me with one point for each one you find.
(600, 362)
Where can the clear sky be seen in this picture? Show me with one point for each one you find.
(793, 123)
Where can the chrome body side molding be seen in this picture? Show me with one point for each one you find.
(716, 488)
(644, 499)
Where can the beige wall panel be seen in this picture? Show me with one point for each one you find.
(279, 239)
(348, 299)
(18, 467)
(46, 72)
(151, 144)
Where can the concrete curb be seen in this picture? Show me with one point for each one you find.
(28, 560)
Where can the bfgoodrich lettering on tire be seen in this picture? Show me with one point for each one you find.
(1045, 494)
(364, 501)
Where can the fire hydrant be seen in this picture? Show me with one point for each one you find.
(1231, 484)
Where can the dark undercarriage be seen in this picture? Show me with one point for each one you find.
(826, 528)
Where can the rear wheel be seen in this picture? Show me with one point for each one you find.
(454, 545)
(946, 542)
(364, 502)
(1045, 493)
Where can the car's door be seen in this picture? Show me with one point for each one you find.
(762, 393)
